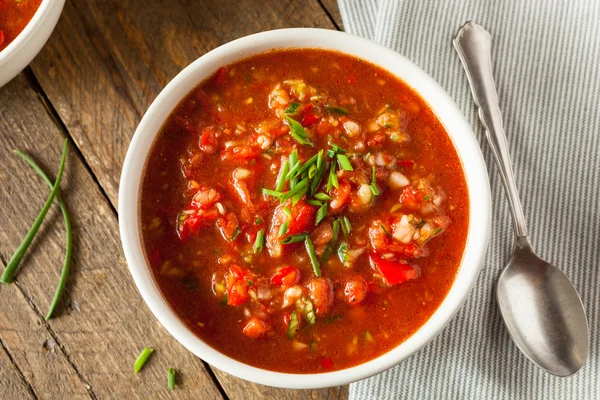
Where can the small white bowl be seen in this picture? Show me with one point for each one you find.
(19, 53)
(445, 109)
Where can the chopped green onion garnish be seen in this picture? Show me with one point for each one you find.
(283, 229)
(236, 232)
(310, 249)
(299, 186)
(366, 157)
(314, 203)
(312, 171)
(330, 153)
(384, 230)
(342, 250)
(336, 148)
(310, 312)
(319, 159)
(420, 224)
(299, 195)
(298, 132)
(281, 176)
(286, 210)
(259, 241)
(258, 221)
(321, 214)
(272, 193)
(171, 380)
(293, 160)
(326, 252)
(141, 360)
(373, 185)
(374, 189)
(438, 230)
(293, 326)
(292, 109)
(323, 197)
(299, 168)
(297, 238)
(426, 198)
(337, 110)
(346, 226)
(314, 184)
(336, 230)
(333, 180)
(344, 162)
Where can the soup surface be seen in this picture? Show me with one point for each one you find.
(303, 211)
(14, 16)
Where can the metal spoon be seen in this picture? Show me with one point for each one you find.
(540, 306)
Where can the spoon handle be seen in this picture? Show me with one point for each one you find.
(473, 44)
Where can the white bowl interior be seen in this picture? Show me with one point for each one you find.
(445, 109)
(19, 53)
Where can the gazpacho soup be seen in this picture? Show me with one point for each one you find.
(14, 16)
(303, 211)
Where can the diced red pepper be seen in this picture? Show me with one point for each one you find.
(228, 226)
(309, 119)
(405, 163)
(303, 216)
(237, 286)
(208, 141)
(394, 272)
(255, 327)
(327, 363)
(286, 276)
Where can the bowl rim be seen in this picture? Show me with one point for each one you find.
(29, 31)
(439, 101)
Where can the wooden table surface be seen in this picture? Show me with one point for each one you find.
(92, 82)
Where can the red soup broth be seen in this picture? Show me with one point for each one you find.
(303, 211)
(14, 17)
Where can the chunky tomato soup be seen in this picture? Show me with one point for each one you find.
(14, 16)
(303, 211)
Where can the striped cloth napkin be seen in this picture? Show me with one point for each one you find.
(546, 57)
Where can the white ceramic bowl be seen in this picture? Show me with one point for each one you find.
(434, 95)
(19, 53)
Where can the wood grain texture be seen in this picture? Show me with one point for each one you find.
(107, 61)
(13, 384)
(333, 10)
(102, 323)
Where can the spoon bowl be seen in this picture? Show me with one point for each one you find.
(543, 312)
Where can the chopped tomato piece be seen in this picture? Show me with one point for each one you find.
(229, 227)
(205, 197)
(241, 152)
(327, 363)
(192, 225)
(376, 139)
(237, 286)
(341, 196)
(255, 327)
(310, 119)
(286, 276)
(410, 250)
(320, 291)
(393, 272)
(208, 140)
(301, 220)
(411, 198)
(355, 290)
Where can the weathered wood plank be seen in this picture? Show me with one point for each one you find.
(334, 11)
(13, 384)
(102, 324)
(107, 60)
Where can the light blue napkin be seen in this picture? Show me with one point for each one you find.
(546, 59)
